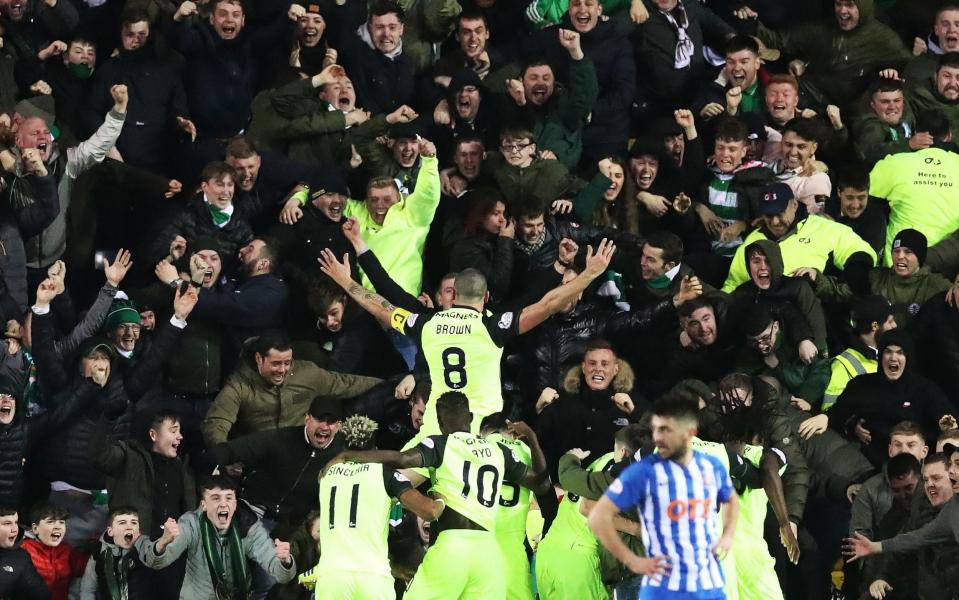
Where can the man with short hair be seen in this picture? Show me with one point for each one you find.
(854, 208)
(940, 93)
(736, 89)
(558, 115)
(64, 73)
(798, 169)
(674, 560)
(18, 576)
(661, 272)
(263, 181)
(394, 226)
(384, 75)
(160, 113)
(463, 346)
(218, 540)
(270, 390)
(222, 65)
(889, 126)
(945, 32)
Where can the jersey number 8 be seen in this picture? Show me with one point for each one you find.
(454, 368)
(481, 489)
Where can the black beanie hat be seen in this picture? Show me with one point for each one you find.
(914, 240)
(896, 337)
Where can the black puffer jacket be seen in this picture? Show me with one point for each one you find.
(65, 455)
(937, 335)
(142, 371)
(560, 342)
(195, 221)
(20, 224)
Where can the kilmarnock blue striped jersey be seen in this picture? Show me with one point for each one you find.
(677, 507)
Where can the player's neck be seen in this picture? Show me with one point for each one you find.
(477, 306)
(683, 458)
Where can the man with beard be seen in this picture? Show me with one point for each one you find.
(681, 146)
(940, 93)
(944, 38)
(798, 169)
(153, 79)
(889, 126)
(218, 539)
(373, 56)
(255, 303)
(223, 68)
(902, 179)
(557, 114)
(282, 466)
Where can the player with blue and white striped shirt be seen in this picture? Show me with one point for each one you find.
(676, 493)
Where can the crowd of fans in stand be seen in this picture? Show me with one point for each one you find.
(779, 178)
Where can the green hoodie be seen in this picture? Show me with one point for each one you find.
(906, 294)
(840, 64)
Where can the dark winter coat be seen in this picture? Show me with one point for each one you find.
(18, 578)
(491, 254)
(20, 224)
(195, 221)
(382, 84)
(937, 335)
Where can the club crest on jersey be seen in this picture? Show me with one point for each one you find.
(505, 320)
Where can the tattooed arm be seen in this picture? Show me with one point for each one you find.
(339, 272)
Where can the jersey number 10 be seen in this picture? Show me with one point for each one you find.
(481, 489)
(354, 501)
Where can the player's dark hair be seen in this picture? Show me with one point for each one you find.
(470, 285)
(738, 43)
(217, 170)
(494, 423)
(669, 243)
(807, 129)
(884, 84)
(676, 406)
(934, 122)
(162, 416)
(471, 14)
(903, 465)
(452, 404)
(633, 437)
(469, 138)
(7, 510)
(854, 176)
(124, 509)
(731, 129)
(48, 510)
(223, 482)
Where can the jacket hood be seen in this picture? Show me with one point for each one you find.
(867, 9)
(774, 257)
(624, 381)
(897, 337)
(9, 385)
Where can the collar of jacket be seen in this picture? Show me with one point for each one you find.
(624, 381)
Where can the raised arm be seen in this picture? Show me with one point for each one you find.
(411, 459)
(371, 302)
(559, 297)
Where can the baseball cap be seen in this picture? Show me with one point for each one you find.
(775, 199)
(328, 182)
(92, 344)
(323, 408)
(948, 448)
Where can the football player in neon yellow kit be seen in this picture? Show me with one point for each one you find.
(463, 345)
(466, 471)
(355, 503)
(514, 503)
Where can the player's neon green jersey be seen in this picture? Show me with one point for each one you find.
(355, 502)
(569, 524)
(462, 348)
(752, 503)
(514, 499)
(468, 471)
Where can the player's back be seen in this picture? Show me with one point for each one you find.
(514, 499)
(463, 350)
(355, 517)
(469, 475)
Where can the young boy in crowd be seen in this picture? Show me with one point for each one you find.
(116, 571)
(56, 561)
(18, 577)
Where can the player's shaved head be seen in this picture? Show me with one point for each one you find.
(453, 412)
(470, 286)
